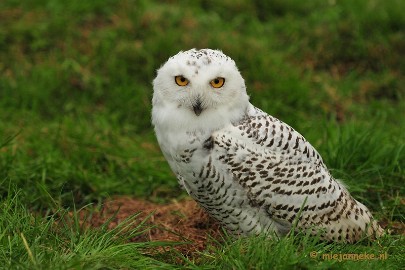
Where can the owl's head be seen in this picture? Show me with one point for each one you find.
(199, 86)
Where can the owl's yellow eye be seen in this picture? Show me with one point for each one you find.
(181, 81)
(217, 82)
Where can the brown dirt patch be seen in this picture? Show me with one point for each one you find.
(178, 221)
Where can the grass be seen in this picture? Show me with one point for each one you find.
(75, 128)
(60, 241)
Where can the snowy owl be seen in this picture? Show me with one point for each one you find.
(250, 171)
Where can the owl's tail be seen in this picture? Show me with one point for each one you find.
(354, 224)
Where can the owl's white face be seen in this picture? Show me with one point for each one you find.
(199, 86)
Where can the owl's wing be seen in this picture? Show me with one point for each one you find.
(285, 176)
(269, 132)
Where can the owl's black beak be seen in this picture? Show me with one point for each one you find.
(197, 108)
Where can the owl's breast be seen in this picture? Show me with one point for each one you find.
(183, 150)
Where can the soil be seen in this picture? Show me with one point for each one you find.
(179, 221)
